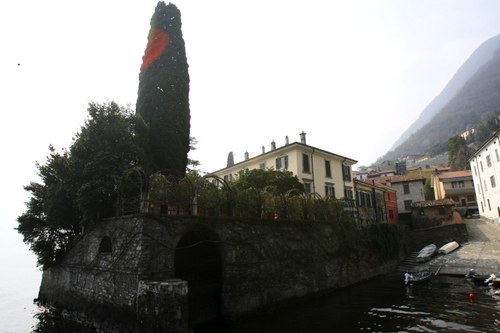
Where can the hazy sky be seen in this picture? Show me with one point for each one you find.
(352, 74)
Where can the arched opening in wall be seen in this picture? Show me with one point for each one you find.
(198, 261)
(105, 246)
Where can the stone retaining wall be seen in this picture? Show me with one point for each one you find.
(260, 264)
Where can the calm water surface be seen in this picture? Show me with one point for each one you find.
(381, 305)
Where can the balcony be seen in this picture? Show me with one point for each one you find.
(449, 192)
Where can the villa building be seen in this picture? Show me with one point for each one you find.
(485, 163)
(320, 171)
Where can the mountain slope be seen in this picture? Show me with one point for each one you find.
(477, 101)
(479, 57)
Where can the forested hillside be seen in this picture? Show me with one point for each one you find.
(474, 104)
(479, 57)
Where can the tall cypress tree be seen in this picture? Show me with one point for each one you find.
(163, 98)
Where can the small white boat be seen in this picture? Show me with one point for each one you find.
(426, 253)
(449, 247)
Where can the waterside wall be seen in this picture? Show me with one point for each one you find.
(146, 274)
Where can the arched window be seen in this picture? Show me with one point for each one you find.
(105, 246)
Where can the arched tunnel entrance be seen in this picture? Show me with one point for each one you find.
(198, 261)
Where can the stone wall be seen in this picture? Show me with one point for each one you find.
(239, 266)
(439, 235)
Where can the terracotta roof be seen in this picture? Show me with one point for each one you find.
(400, 179)
(433, 203)
(374, 182)
(455, 174)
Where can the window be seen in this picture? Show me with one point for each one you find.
(498, 156)
(307, 187)
(489, 206)
(361, 199)
(493, 182)
(481, 165)
(348, 193)
(407, 204)
(305, 163)
(282, 163)
(364, 199)
(105, 246)
(329, 190)
(471, 198)
(347, 172)
(485, 187)
(475, 170)
(228, 178)
(459, 184)
(406, 188)
(478, 188)
(262, 166)
(488, 161)
(328, 169)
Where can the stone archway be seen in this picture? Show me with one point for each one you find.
(198, 261)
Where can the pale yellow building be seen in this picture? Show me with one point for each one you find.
(320, 171)
(456, 185)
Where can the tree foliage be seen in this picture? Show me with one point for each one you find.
(277, 182)
(82, 184)
(163, 97)
(458, 153)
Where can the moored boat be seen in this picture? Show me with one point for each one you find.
(482, 279)
(426, 253)
(448, 247)
(412, 278)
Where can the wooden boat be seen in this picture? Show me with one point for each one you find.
(482, 279)
(449, 247)
(412, 278)
(427, 253)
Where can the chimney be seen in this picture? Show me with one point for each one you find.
(247, 156)
(263, 150)
(230, 159)
(303, 137)
(273, 145)
(286, 140)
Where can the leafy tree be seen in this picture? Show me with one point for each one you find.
(428, 190)
(277, 182)
(82, 184)
(458, 153)
(253, 187)
(104, 151)
(52, 219)
(454, 144)
(163, 97)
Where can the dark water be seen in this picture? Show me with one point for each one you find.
(380, 305)
(385, 305)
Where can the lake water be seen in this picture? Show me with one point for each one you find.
(380, 305)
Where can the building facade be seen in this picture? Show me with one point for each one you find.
(409, 189)
(485, 166)
(320, 171)
(455, 185)
(376, 203)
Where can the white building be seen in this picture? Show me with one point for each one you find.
(485, 166)
(320, 171)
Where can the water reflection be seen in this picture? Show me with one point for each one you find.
(384, 304)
